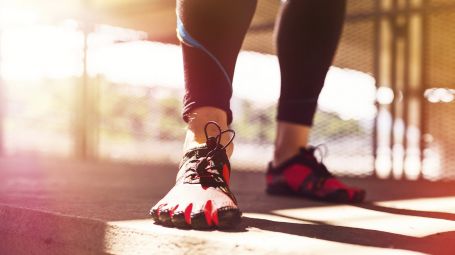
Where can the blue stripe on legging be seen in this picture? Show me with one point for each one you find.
(186, 38)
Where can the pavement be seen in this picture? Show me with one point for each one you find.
(57, 206)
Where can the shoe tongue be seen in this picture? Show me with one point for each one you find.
(211, 143)
(306, 151)
(307, 154)
(203, 150)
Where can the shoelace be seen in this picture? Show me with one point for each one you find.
(204, 170)
(318, 164)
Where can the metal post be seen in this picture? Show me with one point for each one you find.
(414, 85)
(2, 103)
(384, 64)
(424, 79)
(377, 36)
(406, 87)
(399, 86)
(81, 106)
(393, 79)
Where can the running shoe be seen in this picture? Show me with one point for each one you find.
(201, 197)
(305, 176)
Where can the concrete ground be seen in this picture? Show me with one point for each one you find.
(66, 207)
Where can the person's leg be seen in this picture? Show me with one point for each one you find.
(308, 32)
(290, 137)
(307, 36)
(211, 33)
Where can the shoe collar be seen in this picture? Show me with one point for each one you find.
(305, 156)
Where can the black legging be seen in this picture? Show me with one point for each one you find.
(212, 32)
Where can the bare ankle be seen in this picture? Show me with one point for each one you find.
(290, 138)
(282, 155)
(198, 119)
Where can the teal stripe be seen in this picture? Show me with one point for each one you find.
(189, 40)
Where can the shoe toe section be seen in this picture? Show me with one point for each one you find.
(199, 221)
(164, 217)
(359, 196)
(195, 206)
(154, 214)
(348, 196)
(337, 196)
(156, 211)
(228, 217)
(178, 220)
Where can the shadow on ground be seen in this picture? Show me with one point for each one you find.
(433, 244)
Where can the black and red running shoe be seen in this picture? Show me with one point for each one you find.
(201, 197)
(303, 175)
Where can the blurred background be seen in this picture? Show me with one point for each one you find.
(102, 80)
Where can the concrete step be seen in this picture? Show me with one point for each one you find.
(69, 207)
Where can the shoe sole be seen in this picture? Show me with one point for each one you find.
(339, 196)
(226, 218)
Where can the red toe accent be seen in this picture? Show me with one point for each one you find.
(171, 212)
(208, 212)
(333, 183)
(351, 194)
(226, 173)
(158, 209)
(215, 218)
(269, 179)
(188, 210)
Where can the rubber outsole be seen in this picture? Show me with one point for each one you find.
(339, 196)
(226, 218)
